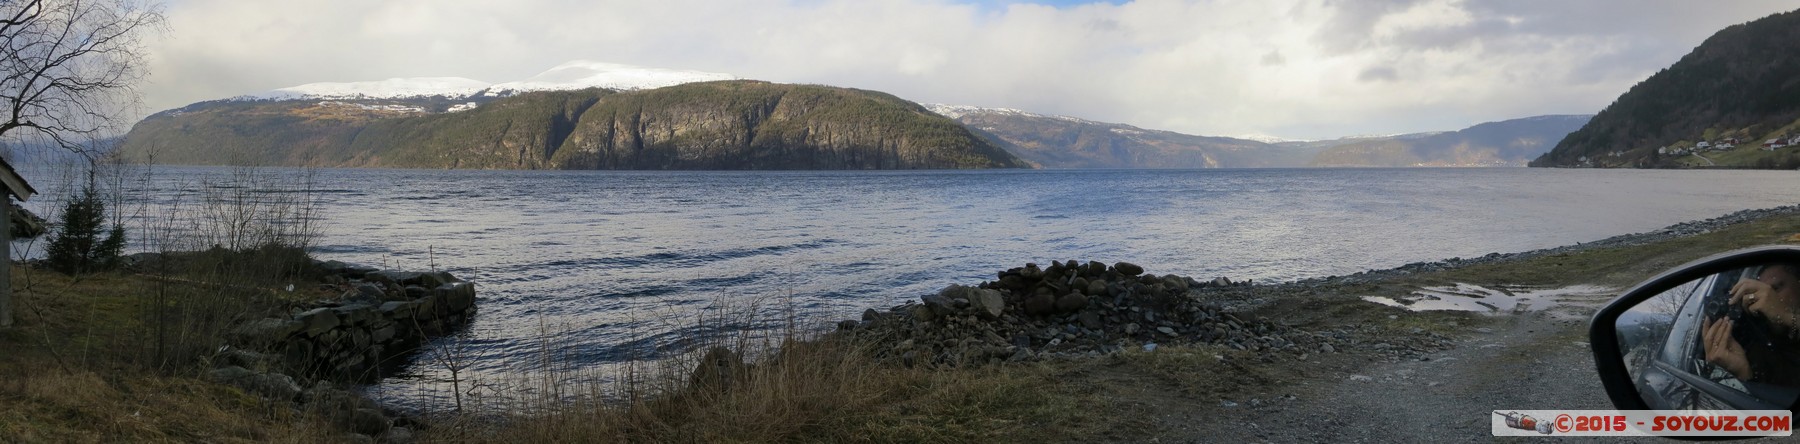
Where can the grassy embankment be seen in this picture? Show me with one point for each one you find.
(73, 372)
(118, 357)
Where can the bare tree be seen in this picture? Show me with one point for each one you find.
(68, 69)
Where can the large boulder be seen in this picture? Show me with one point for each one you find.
(457, 296)
(264, 332)
(1096, 269)
(436, 279)
(1040, 304)
(397, 309)
(1090, 320)
(244, 358)
(274, 386)
(369, 290)
(429, 308)
(921, 313)
(718, 369)
(1128, 269)
(382, 335)
(355, 314)
(393, 277)
(318, 321)
(1071, 302)
(346, 269)
(1175, 283)
(433, 279)
(298, 353)
(987, 303)
(939, 304)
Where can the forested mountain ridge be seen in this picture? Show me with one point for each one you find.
(736, 124)
(1741, 84)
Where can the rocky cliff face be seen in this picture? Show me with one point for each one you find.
(750, 125)
(711, 125)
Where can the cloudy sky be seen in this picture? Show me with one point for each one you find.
(1291, 68)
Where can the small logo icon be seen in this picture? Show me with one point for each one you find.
(1522, 421)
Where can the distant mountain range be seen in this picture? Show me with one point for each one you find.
(719, 125)
(1505, 143)
(1066, 142)
(592, 115)
(1732, 102)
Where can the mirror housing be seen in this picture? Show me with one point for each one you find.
(1603, 331)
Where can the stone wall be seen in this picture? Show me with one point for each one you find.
(384, 315)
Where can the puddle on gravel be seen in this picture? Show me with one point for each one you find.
(1497, 300)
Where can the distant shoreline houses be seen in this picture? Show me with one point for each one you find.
(1727, 144)
(1772, 144)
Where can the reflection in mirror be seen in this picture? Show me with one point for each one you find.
(1726, 341)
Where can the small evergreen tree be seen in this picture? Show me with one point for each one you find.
(77, 246)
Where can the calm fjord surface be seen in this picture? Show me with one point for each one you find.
(615, 264)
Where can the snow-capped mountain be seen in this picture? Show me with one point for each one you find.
(580, 74)
(395, 88)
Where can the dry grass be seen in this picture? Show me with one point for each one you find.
(77, 367)
(1624, 266)
(44, 403)
(825, 389)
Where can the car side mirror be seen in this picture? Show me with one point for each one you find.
(1720, 333)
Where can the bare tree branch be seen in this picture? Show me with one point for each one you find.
(68, 68)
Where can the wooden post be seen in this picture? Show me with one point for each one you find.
(16, 187)
(6, 309)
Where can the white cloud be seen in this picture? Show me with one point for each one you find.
(1292, 68)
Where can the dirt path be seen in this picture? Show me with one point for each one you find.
(1533, 360)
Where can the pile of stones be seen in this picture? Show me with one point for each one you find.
(1068, 309)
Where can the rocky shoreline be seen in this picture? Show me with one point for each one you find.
(1680, 230)
(1074, 309)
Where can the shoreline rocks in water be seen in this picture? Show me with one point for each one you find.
(1067, 309)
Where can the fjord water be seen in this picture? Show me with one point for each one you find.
(616, 264)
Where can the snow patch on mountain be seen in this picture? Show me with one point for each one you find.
(1265, 138)
(380, 89)
(582, 74)
(958, 111)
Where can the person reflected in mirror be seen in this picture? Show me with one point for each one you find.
(1770, 351)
